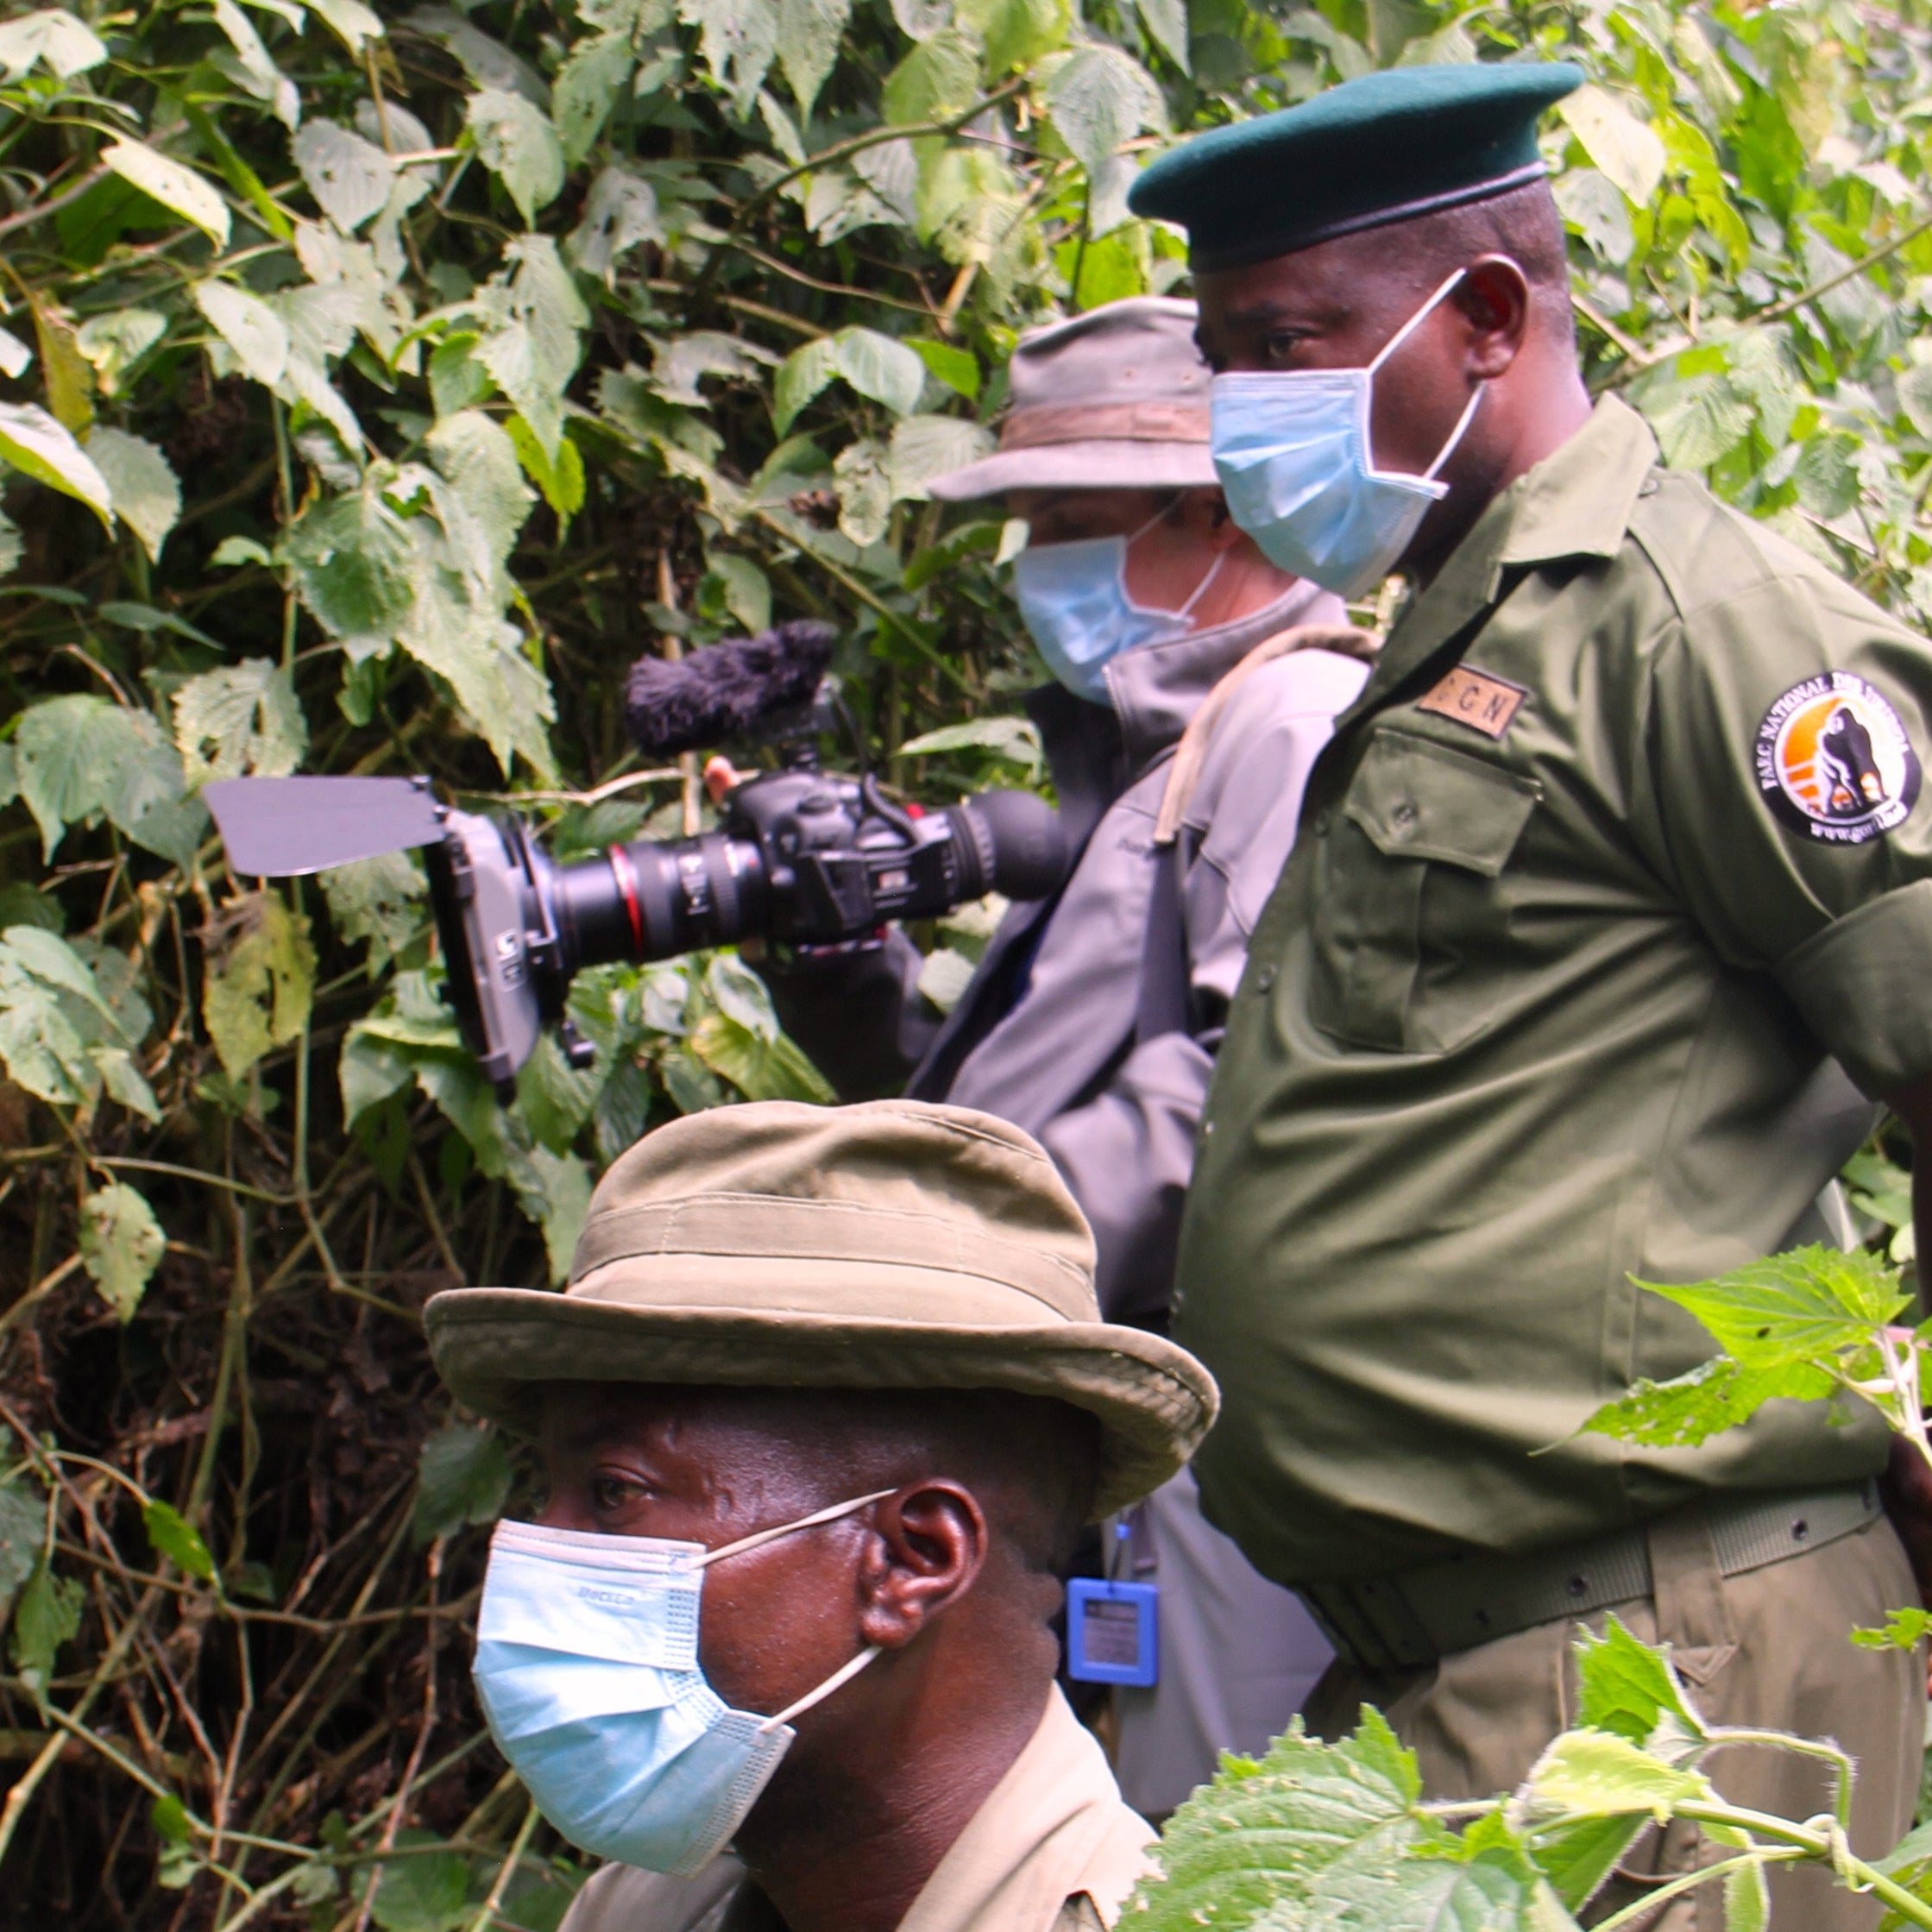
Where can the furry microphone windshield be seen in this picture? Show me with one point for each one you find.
(725, 690)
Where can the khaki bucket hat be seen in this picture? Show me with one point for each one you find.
(890, 1245)
(1116, 398)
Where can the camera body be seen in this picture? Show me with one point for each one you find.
(807, 857)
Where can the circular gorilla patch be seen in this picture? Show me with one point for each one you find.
(1834, 762)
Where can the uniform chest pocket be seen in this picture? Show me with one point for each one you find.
(1412, 902)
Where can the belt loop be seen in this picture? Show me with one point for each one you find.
(1686, 1586)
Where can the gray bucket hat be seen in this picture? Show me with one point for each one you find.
(1116, 398)
(890, 1245)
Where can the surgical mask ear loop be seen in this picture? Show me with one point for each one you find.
(757, 1538)
(837, 1680)
(1200, 590)
(1388, 350)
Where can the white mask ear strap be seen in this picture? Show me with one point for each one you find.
(760, 1537)
(839, 1678)
(1456, 434)
(1414, 322)
(1201, 588)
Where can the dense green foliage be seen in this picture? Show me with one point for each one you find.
(373, 389)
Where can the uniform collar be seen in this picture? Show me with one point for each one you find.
(1576, 502)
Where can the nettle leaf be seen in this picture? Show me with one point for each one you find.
(379, 900)
(737, 40)
(801, 376)
(51, 35)
(249, 327)
(61, 1037)
(939, 78)
(1902, 1630)
(748, 589)
(1627, 149)
(261, 982)
(241, 721)
(865, 490)
(809, 36)
(352, 23)
(587, 87)
(258, 73)
(958, 368)
(924, 447)
(120, 1245)
(1599, 1774)
(145, 491)
(878, 367)
(46, 1616)
(761, 1069)
(1017, 33)
(519, 146)
(533, 349)
(1098, 97)
(462, 1476)
(428, 1892)
(561, 483)
(1578, 1855)
(175, 1538)
(174, 186)
(1270, 1835)
(81, 758)
(554, 1191)
(1713, 1397)
(1166, 21)
(1798, 1305)
(619, 212)
(1628, 1689)
(1016, 740)
(37, 445)
(349, 177)
(23, 1526)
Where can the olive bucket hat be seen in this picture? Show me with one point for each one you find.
(890, 1245)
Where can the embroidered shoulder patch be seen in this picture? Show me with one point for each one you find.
(1832, 760)
(1475, 698)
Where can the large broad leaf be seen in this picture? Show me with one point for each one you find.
(249, 327)
(350, 178)
(1099, 97)
(809, 34)
(380, 901)
(241, 721)
(1713, 1397)
(738, 39)
(258, 73)
(924, 447)
(533, 348)
(172, 184)
(939, 78)
(1267, 1836)
(261, 983)
(878, 367)
(62, 1036)
(1793, 1307)
(587, 87)
(619, 212)
(760, 1069)
(46, 1616)
(1629, 1690)
(23, 1526)
(1625, 148)
(37, 446)
(1017, 33)
(462, 1476)
(1599, 1774)
(554, 1191)
(1166, 21)
(80, 757)
(801, 376)
(146, 492)
(52, 35)
(350, 20)
(519, 146)
(120, 1245)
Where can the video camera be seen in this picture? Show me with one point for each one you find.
(802, 855)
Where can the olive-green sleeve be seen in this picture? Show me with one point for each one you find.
(1814, 866)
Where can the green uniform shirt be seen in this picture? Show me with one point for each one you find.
(1615, 855)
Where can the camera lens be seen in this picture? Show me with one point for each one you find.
(653, 901)
(1011, 842)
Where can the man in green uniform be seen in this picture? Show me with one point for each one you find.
(1608, 922)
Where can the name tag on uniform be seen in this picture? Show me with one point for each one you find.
(1113, 1631)
(1474, 698)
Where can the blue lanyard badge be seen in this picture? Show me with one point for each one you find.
(1112, 1632)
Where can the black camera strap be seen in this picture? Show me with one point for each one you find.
(1166, 1002)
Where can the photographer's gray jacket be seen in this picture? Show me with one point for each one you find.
(1044, 1034)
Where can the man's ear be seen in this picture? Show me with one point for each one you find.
(1494, 300)
(927, 1546)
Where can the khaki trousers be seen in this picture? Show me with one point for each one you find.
(1770, 1647)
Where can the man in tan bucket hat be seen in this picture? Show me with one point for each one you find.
(852, 1358)
(1195, 684)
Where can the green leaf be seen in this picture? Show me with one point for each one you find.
(1628, 1689)
(243, 720)
(22, 1527)
(462, 1476)
(115, 342)
(519, 146)
(349, 19)
(958, 368)
(555, 1097)
(939, 78)
(1793, 1307)
(176, 1538)
(1902, 1630)
(1017, 33)
(619, 212)
(51, 34)
(172, 184)
(563, 481)
(258, 996)
(924, 447)
(46, 1616)
(1267, 1836)
(248, 326)
(1015, 740)
(554, 1191)
(1713, 1397)
(1578, 1855)
(748, 589)
(350, 178)
(379, 900)
(534, 350)
(1599, 1774)
(233, 550)
(258, 73)
(1627, 149)
(141, 483)
(80, 756)
(760, 1069)
(1099, 97)
(587, 87)
(864, 484)
(737, 40)
(120, 1245)
(1166, 21)
(37, 446)
(428, 1892)
(801, 376)
(809, 36)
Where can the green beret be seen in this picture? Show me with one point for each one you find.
(1389, 146)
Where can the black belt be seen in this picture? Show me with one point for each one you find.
(1406, 1621)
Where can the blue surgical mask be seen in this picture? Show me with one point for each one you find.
(1292, 451)
(587, 1664)
(1075, 602)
